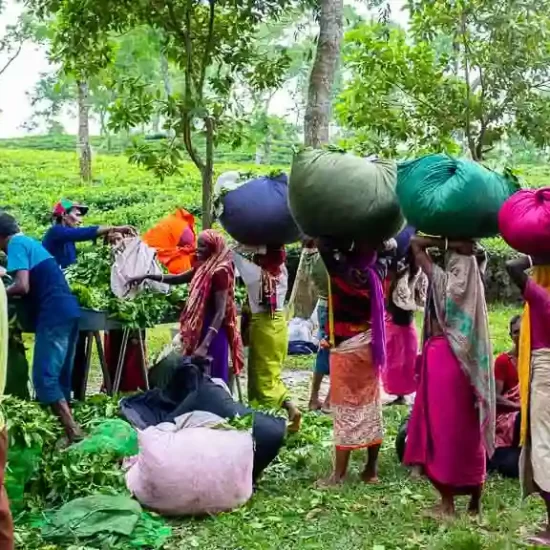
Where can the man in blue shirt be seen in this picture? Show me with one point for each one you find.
(60, 239)
(55, 311)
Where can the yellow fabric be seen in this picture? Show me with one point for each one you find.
(541, 276)
(266, 356)
(3, 344)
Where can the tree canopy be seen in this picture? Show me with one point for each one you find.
(212, 43)
(466, 72)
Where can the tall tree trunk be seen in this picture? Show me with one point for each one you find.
(323, 73)
(84, 149)
(207, 174)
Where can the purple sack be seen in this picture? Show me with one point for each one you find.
(257, 213)
(403, 240)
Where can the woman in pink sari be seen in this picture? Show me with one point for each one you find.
(452, 426)
(534, 381)
(399, 376)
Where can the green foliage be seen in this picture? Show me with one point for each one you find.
(399, 94)
(31, 182)
(90, 281)
(211, 44)
(471, 72)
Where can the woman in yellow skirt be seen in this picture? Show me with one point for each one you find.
(266, 279)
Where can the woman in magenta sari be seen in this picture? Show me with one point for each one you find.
(452, 426)
(534, 381)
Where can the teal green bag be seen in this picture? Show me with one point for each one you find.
(455, 198)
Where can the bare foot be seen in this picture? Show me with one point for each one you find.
(295, 418)
(315, 405)
(75, 434)
(439, 513)
(370, 477)
(416, 472)
(541, 539)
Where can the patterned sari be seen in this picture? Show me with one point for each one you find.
(354, 367)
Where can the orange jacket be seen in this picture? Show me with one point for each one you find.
(165, 239)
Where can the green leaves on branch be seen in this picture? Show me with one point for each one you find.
(468, 72)
(398, 94)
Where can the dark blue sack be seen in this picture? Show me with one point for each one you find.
(257, 213)
(403, 241)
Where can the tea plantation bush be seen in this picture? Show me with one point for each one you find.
(31, 181)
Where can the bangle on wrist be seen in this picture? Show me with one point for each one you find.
(212, 329)
(530, 262)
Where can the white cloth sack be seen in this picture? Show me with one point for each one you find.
(302, 330)
(133, 258)
(183, 470)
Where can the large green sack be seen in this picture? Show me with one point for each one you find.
(450, 197)
(335, 194)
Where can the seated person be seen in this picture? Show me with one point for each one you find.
(505, 459)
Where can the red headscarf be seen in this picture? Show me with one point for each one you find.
(271, 263)
(192, 317)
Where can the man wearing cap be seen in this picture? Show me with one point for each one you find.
(60, 239)
(55, 311)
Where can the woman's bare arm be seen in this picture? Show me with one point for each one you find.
(516, 270)
(419, 246)
(179, 279)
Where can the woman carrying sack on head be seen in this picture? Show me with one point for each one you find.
(452, 427)
(356, 332)
(534, 381)
(266, 280)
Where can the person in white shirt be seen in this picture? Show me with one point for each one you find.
(266, 279)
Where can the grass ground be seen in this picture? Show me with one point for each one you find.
(289, 512)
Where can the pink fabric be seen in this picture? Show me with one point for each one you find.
(399, 375)
(444, 434)
(538, 299)
(506, 421)
(192, 471)
(524, 221)
(187, 238)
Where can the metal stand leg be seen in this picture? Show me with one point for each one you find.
(239, 389)
(87, 363)
(144, 361)
(121, 358)
(107, 385)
